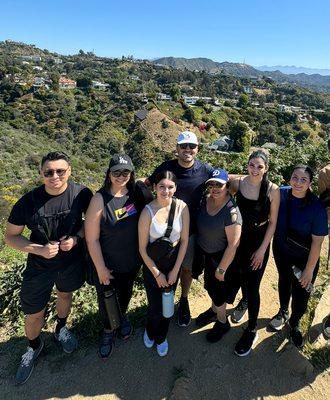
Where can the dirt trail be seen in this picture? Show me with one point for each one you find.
(193, 369)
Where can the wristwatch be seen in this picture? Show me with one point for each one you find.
(220, 271)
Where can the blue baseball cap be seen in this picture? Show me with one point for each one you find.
(219, 175)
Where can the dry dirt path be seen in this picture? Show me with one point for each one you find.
(193, 369)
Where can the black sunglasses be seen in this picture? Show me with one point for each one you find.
(121, 172)
(51, 172)
(191, 146)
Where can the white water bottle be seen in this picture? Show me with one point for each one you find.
(168, 302)
(297, 273)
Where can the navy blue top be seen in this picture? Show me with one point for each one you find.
(191, 182)
(304, 220)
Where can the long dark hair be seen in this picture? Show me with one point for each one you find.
(165, 175)
(265, 181)
(308, 170)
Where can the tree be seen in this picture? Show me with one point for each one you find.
(241, 135)
(175, 92)
(189, 115)
(243, 101)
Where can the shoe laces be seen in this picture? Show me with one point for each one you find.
(27, 357)
(64, 334)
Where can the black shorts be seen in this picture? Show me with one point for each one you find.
(38, 284)
(220, 291)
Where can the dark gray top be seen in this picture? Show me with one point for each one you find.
(211, 235)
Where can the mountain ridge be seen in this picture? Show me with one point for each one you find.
(316, 82)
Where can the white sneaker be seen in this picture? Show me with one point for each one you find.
(147, 341)
(162, 348)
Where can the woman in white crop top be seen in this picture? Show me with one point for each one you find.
(165, 272)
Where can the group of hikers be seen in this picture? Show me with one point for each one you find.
(185, 219)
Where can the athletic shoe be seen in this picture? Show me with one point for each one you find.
(147, 341)
(279, 320)
(244, 345)
(297, 337)
(206, 318)
(126, 329)
(239, 311)
(217, 331)
(106, 344)
(326, 327)
(67, 339)
(162, 348)
(27, 364)
(184, 317)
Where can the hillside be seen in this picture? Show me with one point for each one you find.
(95, 106)
(312, 81)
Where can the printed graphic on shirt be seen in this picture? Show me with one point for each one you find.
(125, 212)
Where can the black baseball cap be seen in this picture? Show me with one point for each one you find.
(121, 161)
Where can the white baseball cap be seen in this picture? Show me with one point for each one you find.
(187, 137)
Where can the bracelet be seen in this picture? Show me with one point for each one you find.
(157, 275)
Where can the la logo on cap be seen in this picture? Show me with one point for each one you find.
(122, 160)
(216, 173)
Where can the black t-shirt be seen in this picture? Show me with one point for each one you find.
(52, 217)
(119, 232)
(191, 182)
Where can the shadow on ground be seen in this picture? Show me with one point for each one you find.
(193, 369)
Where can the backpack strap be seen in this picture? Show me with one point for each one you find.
(170, 218)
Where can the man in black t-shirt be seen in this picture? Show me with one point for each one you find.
(53, 214)
(191, 175)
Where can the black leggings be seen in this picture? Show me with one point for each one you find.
(157, 325)
(250, 279)
(123, 283)
(288, 285)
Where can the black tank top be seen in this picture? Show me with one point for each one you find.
(119, 232)
(254, 213)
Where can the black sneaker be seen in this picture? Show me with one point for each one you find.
(218, 330)
(184, 317)
(244, 345)
(125, 330)
(279, 320)
(106, 344)
(239, 311)
(326, 327)
(26, 366)
(297, 337)
(206, 318)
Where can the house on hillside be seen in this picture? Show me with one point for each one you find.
(37, 68)
(99, 85)
(247, 89)
(66, 83)
(31, 58)
(141, 115)
(163, 97)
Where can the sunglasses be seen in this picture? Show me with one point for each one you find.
(51, 172)
(215, 185)
(191, 146)
(122, 172)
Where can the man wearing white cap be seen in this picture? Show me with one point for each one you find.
(191, 175)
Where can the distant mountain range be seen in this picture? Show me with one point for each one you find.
(315, 82)
(292, 69)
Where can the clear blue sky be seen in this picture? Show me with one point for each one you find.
(261, 32)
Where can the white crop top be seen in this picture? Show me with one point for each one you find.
(158, 229)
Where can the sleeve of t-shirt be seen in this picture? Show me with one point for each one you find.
(232, 216)
(86, 197)
(320, 224)
(18, 215)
